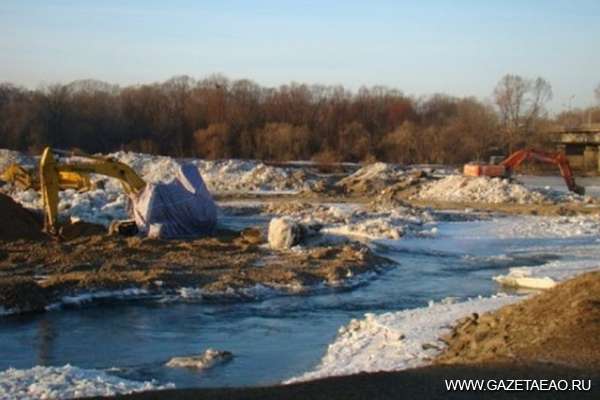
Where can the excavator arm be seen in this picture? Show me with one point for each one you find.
(51, 172)
(558, 159)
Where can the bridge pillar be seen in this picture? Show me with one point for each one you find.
(590, 158)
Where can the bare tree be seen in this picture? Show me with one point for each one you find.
(597, 93)
(521, 104)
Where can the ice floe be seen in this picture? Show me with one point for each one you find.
(545, 276)
(206, 360)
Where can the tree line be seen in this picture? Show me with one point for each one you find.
(219, 118)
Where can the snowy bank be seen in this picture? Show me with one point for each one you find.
(396, 340)
(67, 382)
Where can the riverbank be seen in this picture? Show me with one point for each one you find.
(560, 325)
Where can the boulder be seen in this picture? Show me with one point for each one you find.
(284, 233)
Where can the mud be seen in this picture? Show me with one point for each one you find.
(559, 326)
(17, 222)
(230, 261)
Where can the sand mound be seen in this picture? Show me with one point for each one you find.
(462, 189)
(18, 222)
(560, 325)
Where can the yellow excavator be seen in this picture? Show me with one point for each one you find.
(180, 208)
(24, 179)
(54, 174)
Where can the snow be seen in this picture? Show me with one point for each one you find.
(458, 188)
(8, 157)
(358, 222)
(396, 340)
(67, 382)
(221, 176)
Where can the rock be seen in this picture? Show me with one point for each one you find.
(284, 233)
(208, 359)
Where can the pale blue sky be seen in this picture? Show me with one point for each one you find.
(459, 47)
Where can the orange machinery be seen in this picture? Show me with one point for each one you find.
(506, 167)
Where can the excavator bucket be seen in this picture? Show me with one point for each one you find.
(579, 190)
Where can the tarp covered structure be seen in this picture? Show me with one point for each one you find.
(182, 208)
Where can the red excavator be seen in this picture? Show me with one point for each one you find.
(506, 167)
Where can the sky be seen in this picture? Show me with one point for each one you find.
(458, 47)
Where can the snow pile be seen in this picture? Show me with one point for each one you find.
(385, 225)
(234, 176)
(220, 176)
(8, 157)
(66, 382)
(462, 189)
(96, 206)
(352, 220)
(398, 340)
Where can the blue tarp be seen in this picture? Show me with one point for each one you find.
(182, 208)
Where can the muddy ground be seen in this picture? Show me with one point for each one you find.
(34, 274)
(37, 270)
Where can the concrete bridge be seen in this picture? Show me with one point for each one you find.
(581, 146)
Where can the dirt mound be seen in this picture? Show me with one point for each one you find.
(372, 178)
(560, 326)
(18, 222)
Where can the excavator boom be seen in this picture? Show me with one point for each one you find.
(51, 172)
(506, 167)
(558, 159)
